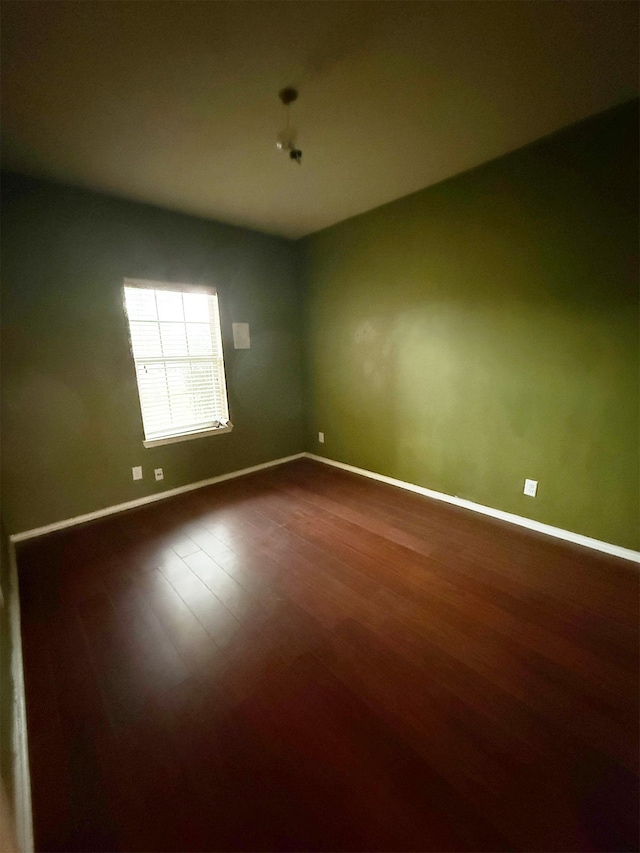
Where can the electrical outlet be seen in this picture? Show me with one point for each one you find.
(137, 472)
(530, 488)
(321, 437)
(159, 474)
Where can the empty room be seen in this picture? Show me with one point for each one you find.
(320, 446)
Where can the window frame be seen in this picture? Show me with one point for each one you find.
(175, 287)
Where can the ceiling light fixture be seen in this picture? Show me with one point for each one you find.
(286, 139)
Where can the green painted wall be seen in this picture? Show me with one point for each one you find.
(71, 425)
(486, 330)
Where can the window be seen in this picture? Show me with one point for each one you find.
(177, 350)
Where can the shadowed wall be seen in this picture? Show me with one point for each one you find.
(71, 423)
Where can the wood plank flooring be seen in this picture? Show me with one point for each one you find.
(303, 659)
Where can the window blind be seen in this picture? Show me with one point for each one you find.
(177, 350)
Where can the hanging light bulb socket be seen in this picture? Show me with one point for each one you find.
(288, 95)
(285, 140)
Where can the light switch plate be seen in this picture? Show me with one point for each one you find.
(321, 437)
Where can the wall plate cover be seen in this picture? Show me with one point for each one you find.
(136, 472)
(530, 488)
(241, 337)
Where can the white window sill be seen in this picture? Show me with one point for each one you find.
(187, 436)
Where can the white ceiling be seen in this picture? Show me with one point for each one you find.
(175, 103)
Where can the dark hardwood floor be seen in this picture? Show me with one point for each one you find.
(303, 659)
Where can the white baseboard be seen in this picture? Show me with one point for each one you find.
(159, 496)
(22, 812)
(538, 526)
(521, 521)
